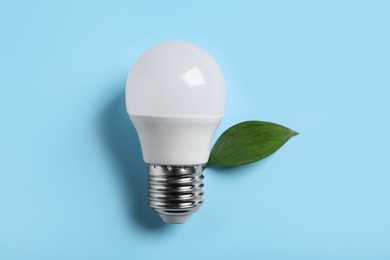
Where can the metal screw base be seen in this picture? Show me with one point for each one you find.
(175, 192)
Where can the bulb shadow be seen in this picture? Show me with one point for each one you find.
(121, 140)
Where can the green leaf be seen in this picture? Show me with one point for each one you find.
(248, 142)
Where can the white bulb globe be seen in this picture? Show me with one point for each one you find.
(175, 97)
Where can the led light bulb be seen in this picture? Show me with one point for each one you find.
(175, 97)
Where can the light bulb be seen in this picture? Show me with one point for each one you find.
(175, 97)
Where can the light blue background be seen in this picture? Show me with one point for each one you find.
(72, 181)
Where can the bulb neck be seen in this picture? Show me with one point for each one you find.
(175, 140)
(175, 192)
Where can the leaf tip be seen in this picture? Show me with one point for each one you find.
(294, 133)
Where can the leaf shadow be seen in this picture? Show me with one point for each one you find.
(242, 169)
(121, 140)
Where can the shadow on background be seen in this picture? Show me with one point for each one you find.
(121, 139)
(243, 169)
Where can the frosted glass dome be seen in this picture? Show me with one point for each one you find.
(175, 79)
